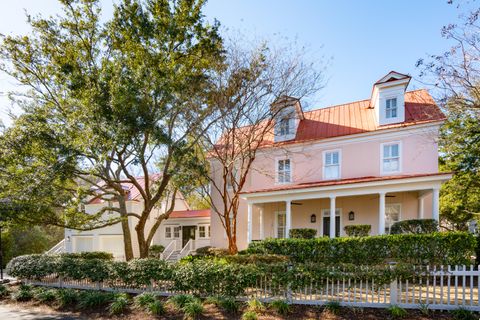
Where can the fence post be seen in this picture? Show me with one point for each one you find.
(393, 288)
(60, 281)
(150, 287)
(99, 285)
(289, 284)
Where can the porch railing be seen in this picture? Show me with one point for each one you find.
(58, 248)
(167, 252)
(187, 249)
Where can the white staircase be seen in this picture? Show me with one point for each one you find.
(173, 256)
(58, 248)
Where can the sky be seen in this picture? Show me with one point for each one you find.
(362, 40)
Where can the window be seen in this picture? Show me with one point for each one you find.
(284, 127)
(281, 225)
(331, 165)
(392, 215)
(391, 157)
(176, 232)
(391, 108)
(209, 231)
(284, 171)
(202, 231)
(168, 232)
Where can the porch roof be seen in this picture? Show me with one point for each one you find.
(191, 214)
(353, 182)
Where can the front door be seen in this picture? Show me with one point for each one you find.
(326, 226)
(188, 232)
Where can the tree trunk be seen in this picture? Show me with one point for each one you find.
(142, 243)
(127, 236)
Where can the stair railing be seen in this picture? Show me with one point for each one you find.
(187, 249)
(58, 248)
(171, 248)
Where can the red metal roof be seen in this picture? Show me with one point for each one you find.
(359, 117)
(191, 214)
(327, 183)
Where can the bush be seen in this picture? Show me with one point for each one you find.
(66, 297)
(397, 312)
(303, 233)
(4, 292)
(256, 258)
(211, 252)
(144, 299)
(415, 226)
(94, 299)
(280, 306)
(229, 305)
(155, 251)
(24, 293)
(44, 295)
(180, 300)
(119, 304)
(89, 255)
(93, 269)
(333, 307)
(449, 248)
(463, 314)
(192, 309)
(249, 315)
(255, 305)
(156, 308)
(32, 266)
(358, 230)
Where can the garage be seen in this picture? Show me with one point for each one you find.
(82, 243)
(112, 244)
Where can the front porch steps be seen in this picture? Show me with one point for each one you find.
(174, 256)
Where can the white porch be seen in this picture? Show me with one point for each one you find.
(328, 208)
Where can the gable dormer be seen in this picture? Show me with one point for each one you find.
(388, 98)
(287, 113)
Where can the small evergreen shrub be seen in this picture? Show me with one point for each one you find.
(180, 300)
(333, 307)
(156, 308)
(358, 230)
(94, 299)
(302, 233)
(102, 255)
(44, 295)
(414, 226)
(211, 252)
(192, 309)
(119, 304)
(144, 299)
(155, 251)
(255, 305)
(280, 306)
(66, 297)
(397, 312)
(249, 315)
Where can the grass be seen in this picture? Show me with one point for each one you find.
(255, 305)
(25, 293)
(144, 299)
(463, 314)
(4, 292)
(119, 304)
(156, 308)
(280, 306)
(180, 300)
(94, 299)
(249, 315)
(397, 312)
(333, 307)
(229, 305)
(192, 309)
(66, 297)
(44, 295)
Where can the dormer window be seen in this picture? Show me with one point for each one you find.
(391, 108)
(284, 127)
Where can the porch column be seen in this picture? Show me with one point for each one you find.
(261, 224)
(421, 208)
(288, 217)
(435, 204)
(249, 222)
(381, 214)
(332, 217)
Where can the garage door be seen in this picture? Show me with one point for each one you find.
(82, 243)
(114, 245)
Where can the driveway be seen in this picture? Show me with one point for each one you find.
(16, 313)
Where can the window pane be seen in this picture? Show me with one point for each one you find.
(394, 102)
(280, 165)
(328, 158)
(394, 150)
(287, 164)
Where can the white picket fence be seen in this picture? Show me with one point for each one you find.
(440, 288)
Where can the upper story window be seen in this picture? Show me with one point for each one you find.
(391, 157)
(284, 127)
(331, 164)
(284, 171)
(391, 108)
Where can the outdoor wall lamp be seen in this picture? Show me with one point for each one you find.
(351, 215)
(313, 218)
(68, 238)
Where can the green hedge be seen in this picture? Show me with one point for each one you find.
(357, 230)
(415, 226)
(434, 249)
(302, 233)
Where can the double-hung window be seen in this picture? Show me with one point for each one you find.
(331, 164)
(202, 231)
(284, 127)
(284, 171)
(391, 108)
(168, 232)
(176, 232)
(391, 157)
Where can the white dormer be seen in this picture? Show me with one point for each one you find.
(388, 98)
(287, 112)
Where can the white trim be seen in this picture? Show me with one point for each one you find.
(391, 97)
(277, 159)
(400, 156)
(324, 154)
(338, 212)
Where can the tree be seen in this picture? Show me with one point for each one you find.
(244, 92)
(456, 76)
(110, 102)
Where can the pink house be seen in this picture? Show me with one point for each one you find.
(372, 162)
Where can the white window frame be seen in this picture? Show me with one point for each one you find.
(282, 126)
(179, 228)
(399, 214)
(277, 160)
(400, 157)
(170, 231)
(277, 213)
(206, 232)
(396, 107)
(324, 156)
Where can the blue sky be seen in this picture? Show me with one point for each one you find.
(365, 39)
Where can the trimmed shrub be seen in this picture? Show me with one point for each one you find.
(96, 270)
(449, 248)
(32, 266)
(155, 251)
(415, 226)
(256, 258)
(358, 230)
(302, 233)
(102, 255)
